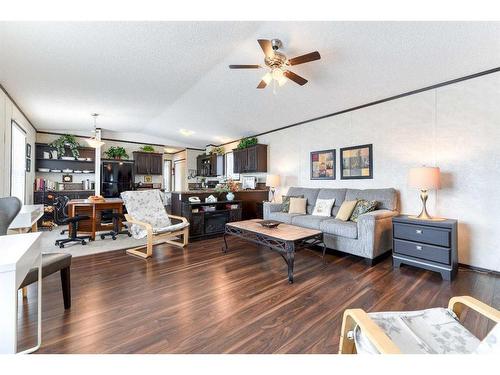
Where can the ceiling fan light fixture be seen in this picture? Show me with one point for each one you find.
(277, 74)
(94, 141)
(268, 77)
(282, 81)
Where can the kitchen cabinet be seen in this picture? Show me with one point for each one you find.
(210, 165)
(250, 159)
(149, 163)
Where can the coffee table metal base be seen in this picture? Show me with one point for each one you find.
(285, 248)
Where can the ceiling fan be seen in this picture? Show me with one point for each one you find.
(278, 64)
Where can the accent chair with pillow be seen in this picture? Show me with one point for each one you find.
(431, 331)
(148, 218)
(367, 234)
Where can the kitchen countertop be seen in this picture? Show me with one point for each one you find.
(212, 191)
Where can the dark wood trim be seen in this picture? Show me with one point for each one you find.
(370, 151)
(394, 97)
(479, 269)
(18, 108)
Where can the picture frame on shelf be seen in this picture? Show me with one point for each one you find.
(323, 165)
(67, 178)
(356, 162)
(148, 179)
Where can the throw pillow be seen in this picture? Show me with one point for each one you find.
(297, 206)
(345, 210)
(323, 207)
(362, 207)
(286, 201)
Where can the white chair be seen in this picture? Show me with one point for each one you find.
(148, 218)
(436, 330)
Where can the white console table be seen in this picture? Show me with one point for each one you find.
(19, 253)
(27, 218)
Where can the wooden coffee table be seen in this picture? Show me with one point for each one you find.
(285, 239)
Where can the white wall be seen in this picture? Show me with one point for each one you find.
(462, 137)
(9, 112)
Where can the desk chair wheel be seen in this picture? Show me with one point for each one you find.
(103, 236)
(129, 234)
(83, 242)
(61, 246)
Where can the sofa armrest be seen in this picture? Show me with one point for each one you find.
(271, 207)
(377, 215)
(375, 232)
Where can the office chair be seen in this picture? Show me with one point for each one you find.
(116, 218)
(62, 218)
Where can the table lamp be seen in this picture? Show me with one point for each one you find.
(424, 178)
(273, 181)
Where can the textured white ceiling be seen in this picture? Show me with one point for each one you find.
(149, 80)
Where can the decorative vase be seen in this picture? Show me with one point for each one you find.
(230, 196)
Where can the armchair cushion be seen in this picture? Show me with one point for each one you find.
(491, 343)
(145, 206)
(428, 331)
(170, 228)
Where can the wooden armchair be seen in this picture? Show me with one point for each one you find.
(148, 218)
(376, 333)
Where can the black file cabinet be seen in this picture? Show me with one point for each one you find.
(429, 244)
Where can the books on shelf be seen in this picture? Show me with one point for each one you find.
(42, 184)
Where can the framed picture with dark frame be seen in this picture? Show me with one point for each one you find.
(356, 162)
(28, 150)
(28, 165)
(323, 165)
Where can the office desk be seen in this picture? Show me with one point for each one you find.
(27, 218)
(94, 210)
(20, 253)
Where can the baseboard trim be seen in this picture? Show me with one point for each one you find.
(478, 269)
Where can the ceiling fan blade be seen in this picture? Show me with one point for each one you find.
(295, 78)
(244, 66)
(266, 46)
(305, 58)
(262, 84)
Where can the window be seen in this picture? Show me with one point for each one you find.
(18, 162)
(167, 175)
(229, 167)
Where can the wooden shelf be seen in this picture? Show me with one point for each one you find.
(66, 161)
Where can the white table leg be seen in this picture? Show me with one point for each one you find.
(39, 328)
(8, 313)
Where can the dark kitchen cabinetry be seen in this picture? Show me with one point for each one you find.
(251, 159)
(149, 163)
(210, 165)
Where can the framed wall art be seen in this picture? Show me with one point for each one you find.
(356, 162)
(323, 165)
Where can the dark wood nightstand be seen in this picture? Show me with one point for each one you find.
(426, 244)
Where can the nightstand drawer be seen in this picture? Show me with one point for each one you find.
(422, 233)
(422, 251)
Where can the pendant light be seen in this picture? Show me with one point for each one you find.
(94, 142)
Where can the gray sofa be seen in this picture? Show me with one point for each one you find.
(370, 237)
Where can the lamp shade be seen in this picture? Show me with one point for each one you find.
(272, 180)
(424, 178)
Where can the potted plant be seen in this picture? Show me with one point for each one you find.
(228, 187)
(117, 153)
(247, 142)
(217, 151)
(66, 140)
(147, 148)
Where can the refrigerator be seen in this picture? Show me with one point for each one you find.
(116, 176)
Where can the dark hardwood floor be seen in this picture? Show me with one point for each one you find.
(202, 301)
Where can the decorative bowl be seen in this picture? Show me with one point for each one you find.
(270, 223)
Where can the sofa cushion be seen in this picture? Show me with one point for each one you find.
(345, 210)
(309, 193)
(285, 201)
(339, 228)
(387, 198)
(338, 194)
(420, 332)
(362, 207)
(284, 217)
(308, 221)
(323, 207)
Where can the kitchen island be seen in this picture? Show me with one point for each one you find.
(249, 200)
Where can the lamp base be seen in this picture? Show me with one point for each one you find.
(424, 215)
